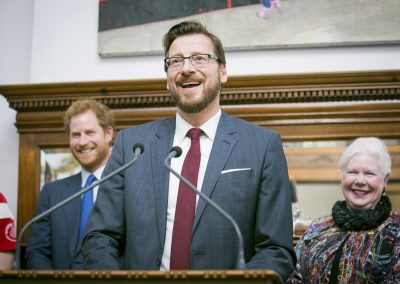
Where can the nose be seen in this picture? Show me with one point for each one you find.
(360, 179)
(83, 140)
(187, 66)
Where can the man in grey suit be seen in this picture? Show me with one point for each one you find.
(242, 168)
(54, 242)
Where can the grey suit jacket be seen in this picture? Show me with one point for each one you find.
(52, 242)
(130, 213)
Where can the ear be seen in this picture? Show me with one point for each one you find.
(385, 181)
(109, 134)
(223, 73)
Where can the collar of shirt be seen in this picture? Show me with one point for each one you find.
(209, 127)
(85, 174)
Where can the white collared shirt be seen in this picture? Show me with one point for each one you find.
(181, 140)
(85, 174)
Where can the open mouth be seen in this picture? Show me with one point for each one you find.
(85, 151)
(190, 85)
(360, 192)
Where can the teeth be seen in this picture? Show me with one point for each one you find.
(191, 84)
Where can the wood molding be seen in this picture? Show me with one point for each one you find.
(258, 89)
(141, 276)
(301, 107)
(282, 102)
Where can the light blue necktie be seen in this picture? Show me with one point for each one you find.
(86, 206)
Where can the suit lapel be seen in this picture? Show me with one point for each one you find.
(72, 209)
(160, 148)
(225, 140)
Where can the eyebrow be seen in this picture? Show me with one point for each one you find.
(193, 53)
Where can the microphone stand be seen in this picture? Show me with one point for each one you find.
(176, 152)
(138, 150)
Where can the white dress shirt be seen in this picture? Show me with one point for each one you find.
(85, 174)
(181, 140)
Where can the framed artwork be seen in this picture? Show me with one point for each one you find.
(55, 164)
(129, 28)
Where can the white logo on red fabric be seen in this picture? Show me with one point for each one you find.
(10, 234)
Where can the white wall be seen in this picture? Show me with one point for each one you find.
(60, 45)
(65, 49)
(15, 56)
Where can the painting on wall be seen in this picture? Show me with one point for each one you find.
(129, 28)
(55, 164)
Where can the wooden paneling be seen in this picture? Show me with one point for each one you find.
(301, 107)
(321, 164)
(141, 277)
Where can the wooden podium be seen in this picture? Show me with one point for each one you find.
(138, 277)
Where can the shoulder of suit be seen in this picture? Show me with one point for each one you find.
(150, 126)
(66, 180)
(245, 126)
(148, 130)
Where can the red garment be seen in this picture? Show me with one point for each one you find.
(185, 206)
(7, 232)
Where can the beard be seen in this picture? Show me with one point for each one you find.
(188, 105)
(92, 162)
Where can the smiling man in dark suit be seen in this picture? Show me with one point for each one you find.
(242, 168)
(54, 242)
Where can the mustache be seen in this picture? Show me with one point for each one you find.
(184, 79)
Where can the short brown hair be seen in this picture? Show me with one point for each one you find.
(192, 27)
(102, 112)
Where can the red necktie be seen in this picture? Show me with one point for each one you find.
(185, 206)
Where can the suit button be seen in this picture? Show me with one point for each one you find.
(158, 261)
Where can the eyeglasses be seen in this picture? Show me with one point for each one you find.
(197, 60)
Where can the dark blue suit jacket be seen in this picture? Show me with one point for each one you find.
(130, 213)
(52, 242)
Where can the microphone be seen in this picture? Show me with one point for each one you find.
(138, 149)
(175, 153)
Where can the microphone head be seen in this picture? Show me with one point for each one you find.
(138, 147)
(178, 151)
